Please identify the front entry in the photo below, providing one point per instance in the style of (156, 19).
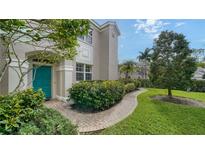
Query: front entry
(42, 79)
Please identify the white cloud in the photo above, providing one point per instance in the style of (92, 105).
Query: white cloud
(179, 24)
(155, 35)
(150, 26)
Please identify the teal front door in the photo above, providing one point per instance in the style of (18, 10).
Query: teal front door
(42, 79)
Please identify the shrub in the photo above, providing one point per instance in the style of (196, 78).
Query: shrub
(23, 113)
(129, 87)
(201, 65)
(198, 85)
(18, 108)
(146, 83)
(31, 99)
(46, 122)
(134, 81)
(96, 95)
(29, 129)
(11, 114)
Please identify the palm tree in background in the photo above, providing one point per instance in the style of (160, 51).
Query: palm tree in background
(145, 57)
(128, 67)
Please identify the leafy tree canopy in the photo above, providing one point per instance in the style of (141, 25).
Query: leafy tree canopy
(171, 62)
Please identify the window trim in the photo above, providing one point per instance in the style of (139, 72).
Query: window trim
(84, 72)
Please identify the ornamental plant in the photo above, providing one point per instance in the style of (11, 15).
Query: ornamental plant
(129, 87)
(95, 95)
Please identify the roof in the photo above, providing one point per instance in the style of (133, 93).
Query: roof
(100, 27)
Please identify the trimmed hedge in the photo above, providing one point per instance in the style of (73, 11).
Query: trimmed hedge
(198, 85)
(129, 87)
(23, 113)
(136, 82)
(96, 95)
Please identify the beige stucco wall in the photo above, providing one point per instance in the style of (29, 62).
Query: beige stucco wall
(102, 55)
(96, 52)
(113, 54)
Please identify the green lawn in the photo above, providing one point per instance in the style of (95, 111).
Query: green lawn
(155, 117)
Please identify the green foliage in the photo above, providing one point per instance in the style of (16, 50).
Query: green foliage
(146, 83)
(97, 95)
(201, 65)
(198, 85)
(55, 40)
(19, 108)
(145, 56)
(129, 87)
(125, 81)
(171, 64)
(156, 117)
(62, 33)
(127, 68)
(29, 129)
(23, 113)
(47, 122)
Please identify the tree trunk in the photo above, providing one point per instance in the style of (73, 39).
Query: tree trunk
(169, 92)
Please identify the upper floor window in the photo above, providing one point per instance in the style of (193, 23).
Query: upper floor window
(87, 38)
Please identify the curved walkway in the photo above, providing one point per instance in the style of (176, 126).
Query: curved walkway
(88, 122)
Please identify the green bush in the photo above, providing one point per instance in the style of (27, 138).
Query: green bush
(201, 65)
(18, 108)
(31, 99)
(125, 81)
(198, 85)
(129, 87)
(96, 95)
(46, 122)
(146, 83)
(29, 129)
(23, 113)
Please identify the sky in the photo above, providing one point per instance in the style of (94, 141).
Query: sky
(138, 34)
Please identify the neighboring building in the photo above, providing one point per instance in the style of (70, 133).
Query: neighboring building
(198, 75)
(97, 59)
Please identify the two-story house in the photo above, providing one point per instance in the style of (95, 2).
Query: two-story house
(97, 59)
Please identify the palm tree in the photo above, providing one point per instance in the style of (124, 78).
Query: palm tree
(145, 57)
(127, 68)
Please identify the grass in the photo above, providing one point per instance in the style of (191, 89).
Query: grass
(155, 117)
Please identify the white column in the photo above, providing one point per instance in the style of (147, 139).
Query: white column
(64, 79)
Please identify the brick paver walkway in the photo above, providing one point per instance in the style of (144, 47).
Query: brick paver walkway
(96, 121)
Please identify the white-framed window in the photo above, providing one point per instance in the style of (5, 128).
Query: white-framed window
(88, 38)
(83, 72)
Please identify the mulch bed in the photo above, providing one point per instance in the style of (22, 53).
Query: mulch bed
(180, 100)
